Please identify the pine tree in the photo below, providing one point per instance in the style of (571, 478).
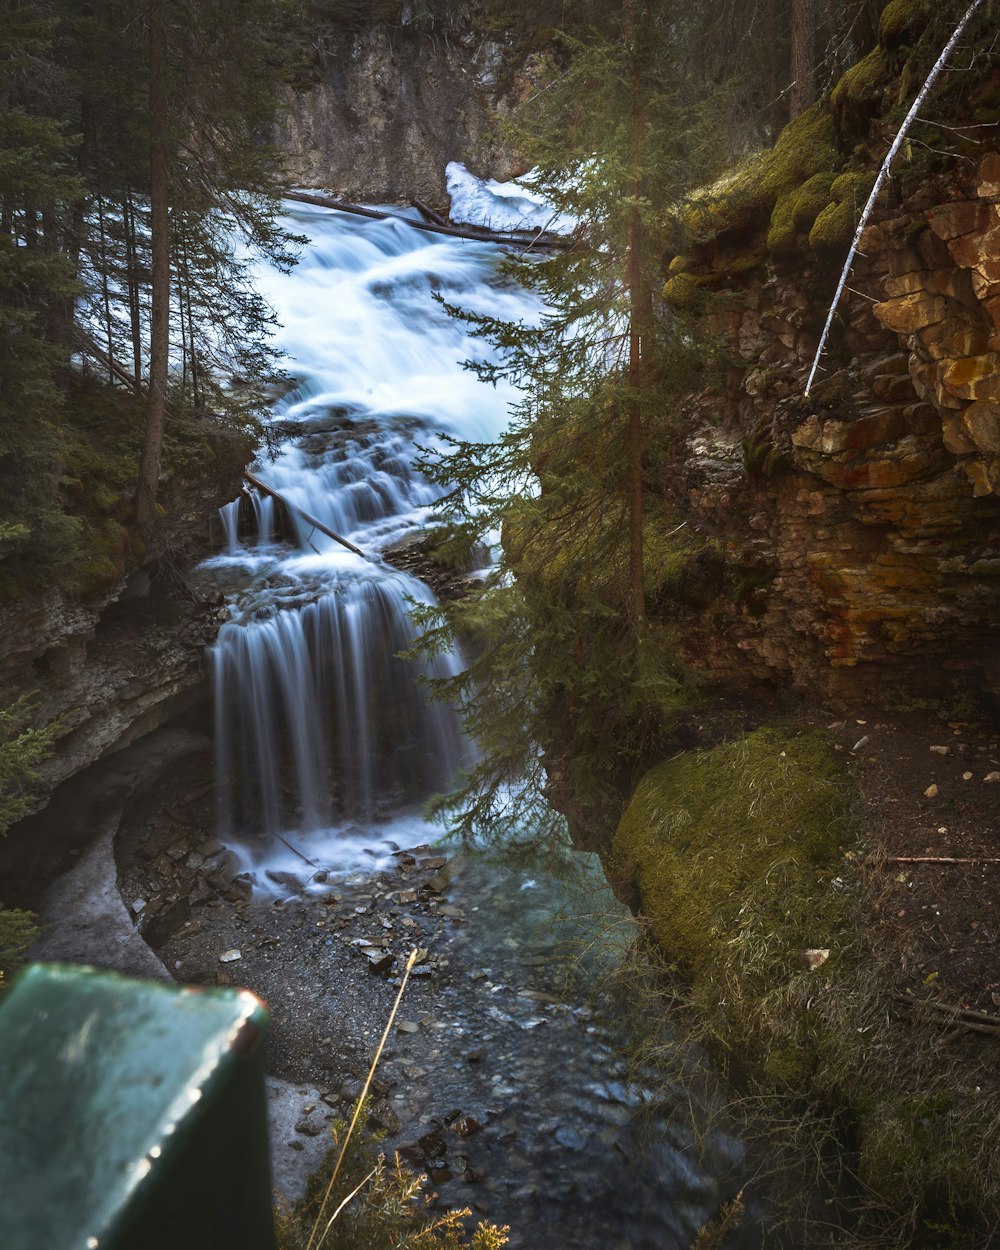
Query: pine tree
(37, 188)
(565, 660)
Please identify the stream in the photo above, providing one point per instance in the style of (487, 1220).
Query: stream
(507, 1080)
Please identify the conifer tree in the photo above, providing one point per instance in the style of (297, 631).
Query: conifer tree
(37, 183)
(566, 660)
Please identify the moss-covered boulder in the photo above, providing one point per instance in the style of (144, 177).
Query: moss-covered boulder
(733, 854)
(748, 834)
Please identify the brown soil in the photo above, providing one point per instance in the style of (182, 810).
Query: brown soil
(940, 919)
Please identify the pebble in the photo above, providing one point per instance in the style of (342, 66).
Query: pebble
(941, 750)
(138, 905)
(228, 957)
(932, 790)
(966, 776)
(992, 777)
(406, 1026)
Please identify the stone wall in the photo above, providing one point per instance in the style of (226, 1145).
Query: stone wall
(390, 107)
(861, 526)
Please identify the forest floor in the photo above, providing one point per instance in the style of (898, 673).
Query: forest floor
(931, 792)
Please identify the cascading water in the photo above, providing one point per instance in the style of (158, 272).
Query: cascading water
(326, 739)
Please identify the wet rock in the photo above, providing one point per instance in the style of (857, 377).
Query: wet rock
(383, 1118)
(240, 889)
(161, 927)
(570, 1138)
(433, 1145)
(138, 905)
(290, 880)
(466, 1126)
(439, 1173)
(434, 862)
(406, 1026)
(309, 1128)
(477, 1055)
(379, 961)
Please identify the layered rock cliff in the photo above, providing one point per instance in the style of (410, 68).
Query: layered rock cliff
(862, 525)
(384, 109)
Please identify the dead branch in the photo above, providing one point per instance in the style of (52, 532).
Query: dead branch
(478, 234)
(306, 516)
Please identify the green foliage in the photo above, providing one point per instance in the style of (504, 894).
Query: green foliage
(75, 255)
(22, 749)
(17, 931)
(376, 1204)
(570, 685)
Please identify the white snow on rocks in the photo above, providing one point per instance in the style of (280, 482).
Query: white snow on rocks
(500, 205)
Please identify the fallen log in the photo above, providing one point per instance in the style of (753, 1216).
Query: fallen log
(87, 344)
(527, 238)
(959, 1017)
(428, 213)
(306, 516)
(938, 859)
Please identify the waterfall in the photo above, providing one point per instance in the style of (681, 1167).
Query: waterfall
(327, 740)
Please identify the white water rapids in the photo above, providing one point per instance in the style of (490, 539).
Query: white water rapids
(326, 740)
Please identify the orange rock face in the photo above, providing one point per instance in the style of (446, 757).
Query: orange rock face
(865, 521)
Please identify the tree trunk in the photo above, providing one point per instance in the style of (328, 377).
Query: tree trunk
(636, 303)
(159, 221)
(803, 90)
(132, 278)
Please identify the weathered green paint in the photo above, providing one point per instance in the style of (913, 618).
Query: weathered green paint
(132, 1114)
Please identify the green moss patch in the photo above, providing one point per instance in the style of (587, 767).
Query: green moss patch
(739, 858)
(741, 839)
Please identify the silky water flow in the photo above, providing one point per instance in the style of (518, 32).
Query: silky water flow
(328, 744)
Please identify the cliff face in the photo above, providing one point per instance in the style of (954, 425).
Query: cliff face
(123, 660)
(861, 526)
(388, 108)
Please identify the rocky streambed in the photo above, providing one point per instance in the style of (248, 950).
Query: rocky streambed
(506, 1080)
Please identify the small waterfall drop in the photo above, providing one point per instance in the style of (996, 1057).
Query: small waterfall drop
(327, 741)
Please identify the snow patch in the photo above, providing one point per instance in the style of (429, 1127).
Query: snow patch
(500, 205)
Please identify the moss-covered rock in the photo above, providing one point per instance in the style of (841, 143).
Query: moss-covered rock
(746, 834)
(811, 198)
(901, 21)
(860, 89)
(746, 197)
(781, 234)
(680, 291)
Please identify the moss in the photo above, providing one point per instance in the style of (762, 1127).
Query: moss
(680, 291)
(781, 235)
(901, 21)
(833, 229)
(811, 198)
(861, 86)
(853, 187)
(745, 197)
(679, 264)
(746, 834)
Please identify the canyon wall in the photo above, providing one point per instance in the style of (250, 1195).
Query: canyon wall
(386, 108)
(860, 526)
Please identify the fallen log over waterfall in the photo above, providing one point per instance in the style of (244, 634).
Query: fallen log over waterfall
(525, 239)
(306, 516)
